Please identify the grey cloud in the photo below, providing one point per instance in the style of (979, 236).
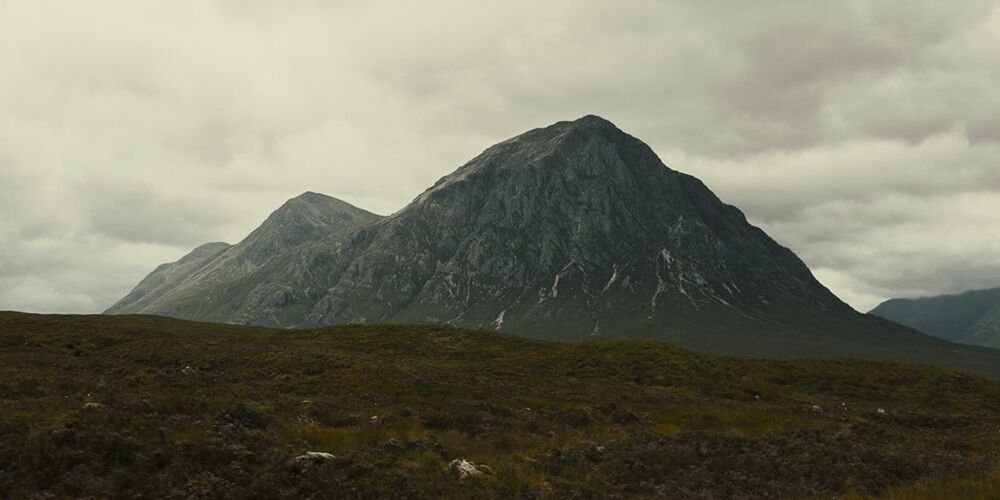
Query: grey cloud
(780, 186)
(72, 274)
(138, 214)
(722, 79)
(903, 245)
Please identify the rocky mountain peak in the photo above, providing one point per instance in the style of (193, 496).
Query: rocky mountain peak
(581, 158)
(315, 207)
(587, 128)
(575, 220)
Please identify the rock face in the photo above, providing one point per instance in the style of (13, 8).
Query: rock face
(565, 231)
(568, 231)
(968, 318)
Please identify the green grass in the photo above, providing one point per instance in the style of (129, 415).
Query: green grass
(395, 404)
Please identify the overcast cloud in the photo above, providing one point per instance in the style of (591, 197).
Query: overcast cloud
(863, 135)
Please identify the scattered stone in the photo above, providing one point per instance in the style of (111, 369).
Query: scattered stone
(374, 419)
(188, 370)
(816, 408)
(881, 412)
(91, 405)
(314, 457)
(463, 469)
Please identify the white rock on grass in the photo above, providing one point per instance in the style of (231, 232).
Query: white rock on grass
(463, 469)
(314, 457)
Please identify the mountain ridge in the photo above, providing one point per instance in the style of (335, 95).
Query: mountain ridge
(569, 231)
(971, 317)
(305, 218)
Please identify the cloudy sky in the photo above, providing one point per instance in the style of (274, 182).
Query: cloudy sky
(863, 135)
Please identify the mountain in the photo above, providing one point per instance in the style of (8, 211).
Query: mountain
(968, 318)
(188, 287)
(566, 232)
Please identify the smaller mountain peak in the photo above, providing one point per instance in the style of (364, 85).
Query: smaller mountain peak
(312, 196)
(311, 200)
(311, 204)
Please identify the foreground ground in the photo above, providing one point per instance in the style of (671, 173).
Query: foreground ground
(126, 407)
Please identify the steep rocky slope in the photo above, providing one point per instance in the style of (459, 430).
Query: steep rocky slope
(167, 277)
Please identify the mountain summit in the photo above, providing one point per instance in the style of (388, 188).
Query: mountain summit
(569, 231)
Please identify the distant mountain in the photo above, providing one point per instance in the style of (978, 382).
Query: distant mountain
(968, 318)
(189, 287)
(564, 232)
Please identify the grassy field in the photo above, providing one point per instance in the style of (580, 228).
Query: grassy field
(146, 407)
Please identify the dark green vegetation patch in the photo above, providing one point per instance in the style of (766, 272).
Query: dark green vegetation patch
(120, 407)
